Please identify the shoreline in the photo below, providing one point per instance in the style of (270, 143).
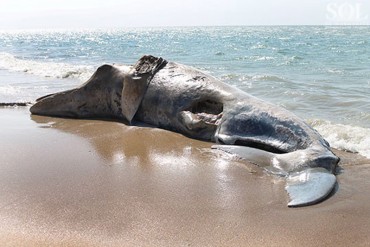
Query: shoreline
(68, 182)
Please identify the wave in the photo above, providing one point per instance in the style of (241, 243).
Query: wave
(269, 78)
(255, 58)
(45, 69)
(262, 58)
(254, 78)
(345, 137)
(15, 104)
(258, 46)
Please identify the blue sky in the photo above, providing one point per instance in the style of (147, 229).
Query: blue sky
(35, 14)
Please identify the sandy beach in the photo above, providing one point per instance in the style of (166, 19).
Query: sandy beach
(67, 182)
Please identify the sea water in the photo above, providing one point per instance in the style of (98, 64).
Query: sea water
(321, 73)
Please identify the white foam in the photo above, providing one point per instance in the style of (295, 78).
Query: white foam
(269, 78)
(10, 90)
(345, 137)
(262, 58)
(45, 69)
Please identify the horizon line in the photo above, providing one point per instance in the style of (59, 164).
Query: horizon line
(178, 26)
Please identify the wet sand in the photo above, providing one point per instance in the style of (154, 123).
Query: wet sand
(67, 182)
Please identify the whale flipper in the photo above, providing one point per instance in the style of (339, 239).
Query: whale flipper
(305, 187)
(136, 83)
(309, 186)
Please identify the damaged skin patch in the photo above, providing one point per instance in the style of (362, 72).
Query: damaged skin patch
(203, 116)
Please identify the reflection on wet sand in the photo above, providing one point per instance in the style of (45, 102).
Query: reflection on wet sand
(116, 142)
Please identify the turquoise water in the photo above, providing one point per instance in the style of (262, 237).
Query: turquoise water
(320, 73)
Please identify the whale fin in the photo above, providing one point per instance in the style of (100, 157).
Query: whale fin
(137, 82)
(309, 186)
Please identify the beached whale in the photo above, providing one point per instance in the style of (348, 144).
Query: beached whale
(183, 99)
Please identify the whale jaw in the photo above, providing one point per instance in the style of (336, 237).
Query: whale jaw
(58, 105)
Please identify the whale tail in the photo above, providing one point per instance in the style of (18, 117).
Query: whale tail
(307, 181)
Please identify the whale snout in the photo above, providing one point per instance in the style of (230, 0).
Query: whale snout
(80, 103)
(61, 104)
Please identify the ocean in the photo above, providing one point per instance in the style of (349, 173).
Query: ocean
(321, 73)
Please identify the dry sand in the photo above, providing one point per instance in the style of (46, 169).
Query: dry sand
(67, 182)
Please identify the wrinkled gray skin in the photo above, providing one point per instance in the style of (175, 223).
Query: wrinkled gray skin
(183, 99)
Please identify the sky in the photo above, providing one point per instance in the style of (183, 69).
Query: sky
(75, 14)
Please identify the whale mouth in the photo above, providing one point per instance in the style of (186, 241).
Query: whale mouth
(260, 145)
(275, 147)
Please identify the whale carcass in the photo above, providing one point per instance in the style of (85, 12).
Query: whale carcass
(181, 98)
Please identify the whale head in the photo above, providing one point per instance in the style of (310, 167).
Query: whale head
(112, 92)
(99, 97)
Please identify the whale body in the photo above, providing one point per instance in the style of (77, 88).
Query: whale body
(181, 98)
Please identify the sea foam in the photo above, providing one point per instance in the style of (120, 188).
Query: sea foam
(45, 69)
(344, 137)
